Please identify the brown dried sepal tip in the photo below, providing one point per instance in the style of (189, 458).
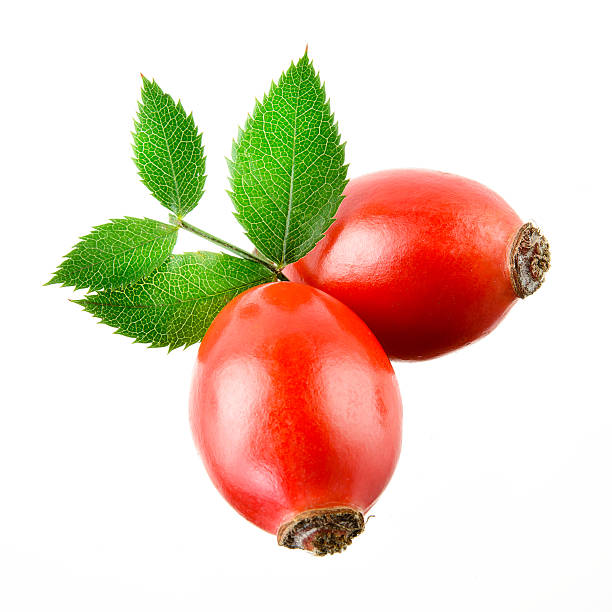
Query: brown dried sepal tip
(323, 531)
(529, 260)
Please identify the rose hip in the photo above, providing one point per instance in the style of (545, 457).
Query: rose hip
(296, 412)
(430, 261)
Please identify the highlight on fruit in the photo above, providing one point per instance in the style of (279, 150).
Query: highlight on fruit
(294, 406)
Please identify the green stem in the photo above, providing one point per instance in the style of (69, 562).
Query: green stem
(230, 247)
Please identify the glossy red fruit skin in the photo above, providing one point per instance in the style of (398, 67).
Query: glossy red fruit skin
(421, 256)
(294, 405)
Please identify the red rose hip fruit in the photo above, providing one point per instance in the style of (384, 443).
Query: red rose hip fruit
(296, 412)
(429, 260)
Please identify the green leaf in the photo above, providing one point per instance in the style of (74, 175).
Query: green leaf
(287, 170)
(177, 303)
(169, 151)
(116, 254)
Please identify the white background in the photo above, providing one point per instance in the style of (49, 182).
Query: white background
(502, 499)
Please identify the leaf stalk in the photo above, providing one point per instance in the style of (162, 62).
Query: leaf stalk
(229, 247)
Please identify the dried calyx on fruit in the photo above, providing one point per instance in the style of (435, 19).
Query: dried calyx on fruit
(323, 532)
(430, 261)
(529, 260)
